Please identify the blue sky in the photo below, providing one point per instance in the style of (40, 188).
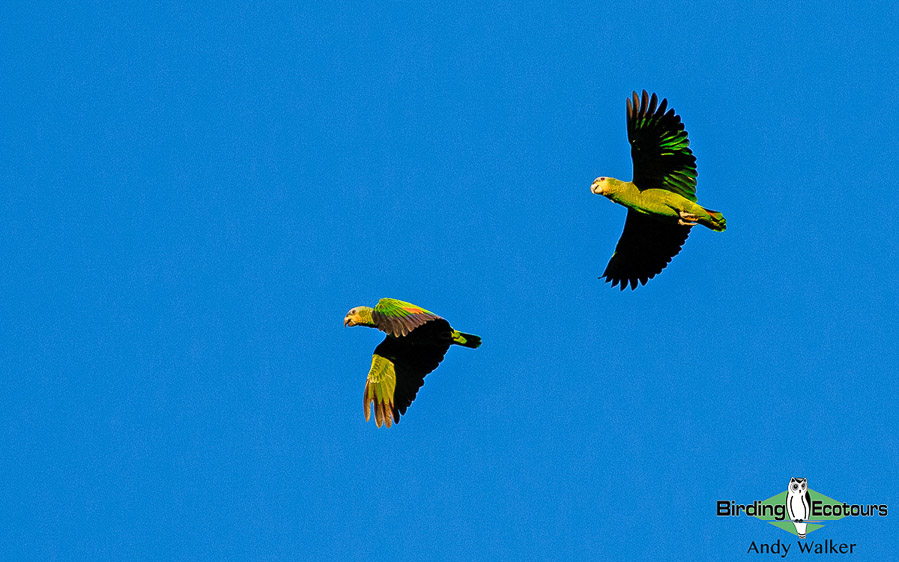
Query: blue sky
(194, 195)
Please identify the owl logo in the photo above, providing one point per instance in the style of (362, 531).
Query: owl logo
(799, 504)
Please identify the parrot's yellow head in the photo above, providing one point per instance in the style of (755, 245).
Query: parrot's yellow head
(360, 315)
(601, 186)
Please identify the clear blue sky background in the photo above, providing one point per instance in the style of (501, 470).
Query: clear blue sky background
(192, 196)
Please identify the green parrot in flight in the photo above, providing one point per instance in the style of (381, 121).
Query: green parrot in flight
(661, 199)
(415, 344)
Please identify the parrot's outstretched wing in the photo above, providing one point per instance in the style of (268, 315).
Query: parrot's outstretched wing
(380, 388)
(399, 318)
(398, 370)
(660, 148)
(646, 246)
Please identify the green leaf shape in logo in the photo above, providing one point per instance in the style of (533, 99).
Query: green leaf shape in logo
(787, 525)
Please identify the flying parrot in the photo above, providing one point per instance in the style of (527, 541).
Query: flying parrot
(415, 344)
(661, 199)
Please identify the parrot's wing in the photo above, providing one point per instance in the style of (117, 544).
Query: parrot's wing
(660, 148)
(646, 246)
(398, 370)
(398, 318)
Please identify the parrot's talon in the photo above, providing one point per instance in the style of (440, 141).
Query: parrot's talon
(687, 219)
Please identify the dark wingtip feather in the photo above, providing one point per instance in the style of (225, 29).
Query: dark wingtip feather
(622, 283)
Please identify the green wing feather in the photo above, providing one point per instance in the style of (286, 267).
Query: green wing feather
(660, 148)
(398, 318)
(379, 389)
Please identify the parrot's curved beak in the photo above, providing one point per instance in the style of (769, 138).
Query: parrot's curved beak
(346, 321)
(597, 187)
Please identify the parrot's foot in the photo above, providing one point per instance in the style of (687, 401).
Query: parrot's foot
(687, 219)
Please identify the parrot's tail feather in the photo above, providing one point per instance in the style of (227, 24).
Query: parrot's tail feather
(466, 340)
(716, 221)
